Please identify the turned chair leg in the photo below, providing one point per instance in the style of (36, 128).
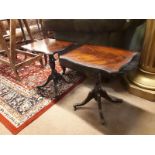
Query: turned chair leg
(16, 73)
(41, 62)
(45, 59)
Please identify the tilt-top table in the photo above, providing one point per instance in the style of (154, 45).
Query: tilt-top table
(99, 60)
(50, 48)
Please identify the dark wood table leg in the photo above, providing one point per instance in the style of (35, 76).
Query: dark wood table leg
(63, 69)
(88, 98)
(55, 76)
(104, 94)
(97, 93)
(98, 99)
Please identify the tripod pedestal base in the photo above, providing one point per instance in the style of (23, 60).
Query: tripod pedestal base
(97, 93)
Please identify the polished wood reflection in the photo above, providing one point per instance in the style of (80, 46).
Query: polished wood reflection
(46, 46)
(101, 57)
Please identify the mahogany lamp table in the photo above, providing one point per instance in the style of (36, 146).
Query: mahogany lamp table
(99, 60)
(51, 47)
(48, 47)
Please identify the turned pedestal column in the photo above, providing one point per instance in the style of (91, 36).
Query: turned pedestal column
(142, 82)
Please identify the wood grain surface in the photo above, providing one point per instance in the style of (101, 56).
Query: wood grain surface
(99, 57)
(46, 46)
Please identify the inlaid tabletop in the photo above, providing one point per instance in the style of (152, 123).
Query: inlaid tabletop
(99, 57)
(46, 46)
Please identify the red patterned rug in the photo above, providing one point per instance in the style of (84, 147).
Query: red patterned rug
(21, 102)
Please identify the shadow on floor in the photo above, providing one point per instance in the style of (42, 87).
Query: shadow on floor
(120, 118)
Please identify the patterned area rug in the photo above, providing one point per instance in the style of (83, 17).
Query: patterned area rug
(21, 102)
